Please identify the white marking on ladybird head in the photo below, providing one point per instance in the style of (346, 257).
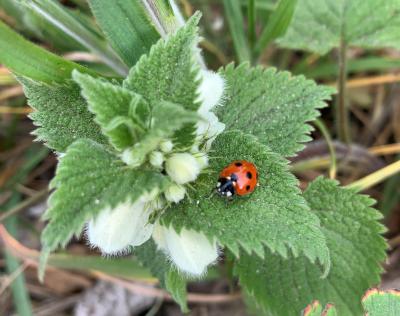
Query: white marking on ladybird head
(228, 178)
(228, 194)
(218, 184)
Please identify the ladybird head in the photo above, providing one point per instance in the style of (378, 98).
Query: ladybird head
(226, 186)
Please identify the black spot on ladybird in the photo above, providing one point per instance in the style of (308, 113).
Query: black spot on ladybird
(238, 164)
(247, 187)
(249, 175)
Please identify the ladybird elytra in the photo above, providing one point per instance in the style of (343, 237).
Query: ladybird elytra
(238, 178)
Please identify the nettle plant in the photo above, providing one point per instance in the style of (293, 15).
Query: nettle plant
(140, 154)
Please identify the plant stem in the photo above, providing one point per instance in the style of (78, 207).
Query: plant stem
(332, 169)
(376, 177)
(342, 113)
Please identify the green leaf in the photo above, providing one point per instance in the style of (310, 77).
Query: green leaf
(274, 215)
(234, 16)
(89, 179)
(169, 277)
(126, 26)
(315, 309)
(176, 285)
(26, 59)
(61, 114)
(110, 103)
(277, 23)
(56, 14)
(357, 250)
(170, 71)
(166, 118)
(271, 105)
(381, 303)
(319, 26)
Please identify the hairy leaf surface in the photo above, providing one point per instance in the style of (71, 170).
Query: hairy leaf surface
(61, 115)
(89, 179)
(274, 215)
(273, 106)
(357, 250)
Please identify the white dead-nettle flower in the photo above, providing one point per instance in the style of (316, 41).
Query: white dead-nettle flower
(128, 156)
(175, 193)
(182, 168)
(114, 230)
(211, 94)
(190, 251)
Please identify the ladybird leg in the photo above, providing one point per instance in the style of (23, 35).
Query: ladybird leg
(212, 193)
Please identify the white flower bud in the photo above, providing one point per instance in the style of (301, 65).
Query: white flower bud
(156, 159)
(182, 168)
(175, 193)
(166, 146)
(190, 251)
(210, 91)
(114, 230)
(128, 156)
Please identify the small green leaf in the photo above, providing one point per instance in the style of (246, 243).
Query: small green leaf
(110, 103)
(274, 215)
(319, 26)
(271, 105)
(169, 277)
(315, 309)
(170, 71)
(126, 26)
(26, 59)
(277, 24)
(357, 249)
(175, 284)
(381, 303)
(89, 179)
(61, 114)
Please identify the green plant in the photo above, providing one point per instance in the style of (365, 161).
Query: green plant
(140, 151)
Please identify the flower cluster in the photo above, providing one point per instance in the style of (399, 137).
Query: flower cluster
(114, 231)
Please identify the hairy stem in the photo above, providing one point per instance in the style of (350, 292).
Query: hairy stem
(342, 113)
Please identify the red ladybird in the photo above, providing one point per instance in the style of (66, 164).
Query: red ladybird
(239, 177)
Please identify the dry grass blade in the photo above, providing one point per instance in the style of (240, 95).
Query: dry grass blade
(11, 92)
(10, 278)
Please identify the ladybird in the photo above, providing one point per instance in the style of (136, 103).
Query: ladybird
(239, 177)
